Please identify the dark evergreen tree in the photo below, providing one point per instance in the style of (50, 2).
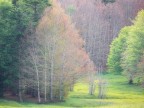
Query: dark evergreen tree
(15, 18)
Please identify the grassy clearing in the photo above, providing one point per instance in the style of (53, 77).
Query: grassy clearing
(119, 95)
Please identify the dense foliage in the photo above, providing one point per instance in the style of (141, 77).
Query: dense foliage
(53, 58)
(108, 1)
(42, 55)
(127, 50)
(41, 52)
(117, 47)
(99, 24)
(15, 18)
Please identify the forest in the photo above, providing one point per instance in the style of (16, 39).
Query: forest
(72, 53)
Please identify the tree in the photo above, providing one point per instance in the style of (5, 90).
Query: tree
(15, 19)
(37, 7)
(134, 50)
(14, 2)
(52, 58)
(140, 71)
(116, 49)
(127, 50)
(7, 45)
(99, 24)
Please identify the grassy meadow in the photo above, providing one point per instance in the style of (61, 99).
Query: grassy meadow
(119, 95)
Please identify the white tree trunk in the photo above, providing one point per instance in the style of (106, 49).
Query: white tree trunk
(52, 71)
(61, 77)
(34, 57)
(45, 74)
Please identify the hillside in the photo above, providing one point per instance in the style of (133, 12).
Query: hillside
(99, 24)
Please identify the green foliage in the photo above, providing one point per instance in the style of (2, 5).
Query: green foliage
(135, 47)
(7, 42)
(36, 7)
(71, 9)
(108, 1)
(116, 49)
(15, 19)
(127, 50)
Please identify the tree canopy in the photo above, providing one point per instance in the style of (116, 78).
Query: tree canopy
(15, 18)
(127, 50)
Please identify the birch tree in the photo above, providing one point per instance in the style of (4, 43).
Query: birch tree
(52, 58)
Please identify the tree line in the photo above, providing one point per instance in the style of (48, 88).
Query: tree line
(127, 51)
(41, 53)
(15, 18)
(99, 24)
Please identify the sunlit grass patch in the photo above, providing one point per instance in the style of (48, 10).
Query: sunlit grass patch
(119, 95)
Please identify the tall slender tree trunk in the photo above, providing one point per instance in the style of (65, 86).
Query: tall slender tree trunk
(51, 73)
(20, 95)
(1, 85)
(72, 83)
(20, 90)
(38, 82)
(37, 74)
(61, 78)
(45, 73)
(51, 79)
(91, 84)
(61, 89)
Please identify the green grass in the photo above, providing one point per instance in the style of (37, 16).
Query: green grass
(119, 95)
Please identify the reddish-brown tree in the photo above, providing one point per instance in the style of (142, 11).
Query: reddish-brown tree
(99, 24)
(52, 59)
